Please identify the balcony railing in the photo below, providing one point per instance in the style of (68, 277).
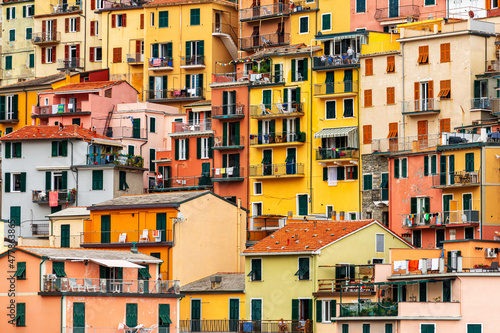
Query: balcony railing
(395, 12)
(292, 109)
(180, 183)
(124, 132)
(343, 87)
(63, 196)
(277, 137)
(228, 173)
(116, 159)
(407, 143)
(228, 111)
(135, 58)
(336, 154)
(421, 105)
(375, 309)
(192, 93)
(226, 29)
(250, 77)
(255, 13)
(287, 169)
(70, 63)
(457, 179)
(240, 326)
(192, 127)
(462, 217)
(69, 7)
(492, 104)
(335, 61)
(160, 63)
(40, 229)
(492, 66)
(268, 40)
(193, 61)
(120, 286)
(57, 109)
(441, 218)
(333, 285)
(229, 141)
(47, 37)
(126, 236)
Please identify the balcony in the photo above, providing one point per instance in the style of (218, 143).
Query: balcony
(407, 143)
(53, 284)
(325, 90)
(191, 128)
(135, 58)
(229, 111)
(419, 107)
(70, 64)
(56, 110)
(276, 110)
(264, 12)
(41, 38)
(63, 196)
(183, 184)
(124, 132)
(324, 154)
(240, 326)
(253, 79)
(278, 139)
(229, 142)
(40, 229)
(287, 170)
(175, 94)
(67, 7)
(447, 218)
(336, 61)
(260, 41)
(125, 237)
(115, 159)
(193, 62)
(229, 174)
(375, 309)
(303, 6)
(456, 179)
(160, 64)
(398, 12)
(485, 104)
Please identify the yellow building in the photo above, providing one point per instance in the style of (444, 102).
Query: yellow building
(66, 226)
(217, 298)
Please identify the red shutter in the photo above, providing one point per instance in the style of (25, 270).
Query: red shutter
(142, 21)
(66, 52)
(43, 55)
(124, 20)
(92, 54)
(53, 54)
(78, 24)
(44, 29)
(77, 51)
(54, 29)
(113, 21)
(92, 4)
(66, 24)
(430, 89)
(138, 46)
(92, 28)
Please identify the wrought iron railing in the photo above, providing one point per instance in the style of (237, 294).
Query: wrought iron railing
(336, 153)
(267, 40)
(258, 12)
(277, 137)
(228, 110)
(276, 110)
(341, 87)
(286, 169)
(325, 62)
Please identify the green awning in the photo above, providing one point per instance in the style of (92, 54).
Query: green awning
(165, 318)
(302, 271)
(60, 272)
(266, 160)
(20, 271)
(144, 273)
(251, 272)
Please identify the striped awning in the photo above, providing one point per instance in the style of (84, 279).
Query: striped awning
(351, 133)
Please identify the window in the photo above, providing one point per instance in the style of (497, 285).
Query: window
(152, 125)
(20, 314)
(474, 328)
(326, 22)
(331, 109)
(445, 89)
(164, 317)
(388, 328)
(163, 19)
(391, 64)
(360, 6)
(131, 314)
(8, 62)
(13, 150)
(59, 148)
(327, 308)
(303, 269)
(367, 134)
(99, 4)
(304, 25)
(423, 54)
(299, 70)
(12, 35)
(348, 108)
(368, 67)
(21, 271)
(97, 180)
(195, 16)
(121, 20)
(72, 24)
(380, 243)
(400, 168)
(391, 98)
(117, 54)
(48, 55)
(445, 52)
(152, 19)
(11, 112)
(444, 125)
(430, 165)
(430, 2)
(32, 60)
(302, 204)
(366, 328)
(367, 182)
(368, 98)
(351, 172)
(205, 148)
(255, 270)
(10, 13)
(257, 209)
(427, 328)
(29, 33)
(257, 188)
(123, 181)
(152, 157)
(76, 121)
(469, 162)
(182, 149)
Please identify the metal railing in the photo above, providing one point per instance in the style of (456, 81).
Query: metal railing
(394, 12)
(195, 93)
(492, 66)
(70, 63)
(228, 111)
(157, 63)
(267, 40)
(457, 178)
(69, 7)
(249, 77)
(204, 125)
(390, 145)
(126, 236)
(47, 37)
(421, 105)
(225, 28)
(116, 159)
(152, 329)
(421, 219)
(276, 110)
(135, 58)
(123, 132)
(120, 286)
(40, 229)
(334, 285)
(183, 182)
(193, 60)
(325, 62)
(228, 173)
(277, 137)
(301, 6)
(375, 309)
(229, 141)
(286, 169)
(258, 12)
(234, 325)
(63, 196)
(341, 87)
(57, 109)
(336, 153)
(485, 103)
(462, 217)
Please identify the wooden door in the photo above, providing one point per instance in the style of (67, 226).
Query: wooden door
(422, 133)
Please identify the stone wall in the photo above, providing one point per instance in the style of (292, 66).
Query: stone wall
(374, 165)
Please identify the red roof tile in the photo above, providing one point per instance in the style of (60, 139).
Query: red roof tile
(53, 132)
(306, 236)
(98, 85)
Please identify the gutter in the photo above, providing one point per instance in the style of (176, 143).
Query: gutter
(259, 254)
(360, 207)
(40, 278)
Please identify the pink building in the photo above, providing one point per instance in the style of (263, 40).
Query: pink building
(74, 290)
(80, 103)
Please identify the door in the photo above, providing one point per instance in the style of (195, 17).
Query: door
(78, 317)
(393, 8)
(417, 238)
(195, 315)
(48, 31)
(217, 22)
(291, 161)
(266, 99)
(136, 128)
(205, 174)
(385, 187)
(446, 208)
(256, 314)
(161, 224)
(467, 206)
(440, 237)
(65, 235)
(73, 58)
(303, 203)
(105, 228)
(469, 233)
(422, 133)
(267, 162)
(234, 314)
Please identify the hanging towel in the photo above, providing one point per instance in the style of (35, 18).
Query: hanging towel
(420, 264)
(438, 219)
(229, 171)
(156, 233)
(217, 171)
(332, 176)
(429, 264)
(413, 265)
(435, 264)
(156, 62)
(53, 196)
(400, 265)
(223, 170)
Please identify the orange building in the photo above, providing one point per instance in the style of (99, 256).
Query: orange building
(72, 290)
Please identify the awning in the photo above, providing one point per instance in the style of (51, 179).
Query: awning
(351, 133)
(384, 183)
(144, 273)
(115, 263)
(60, 272)
(165, 318)
(20, 270)
(107, 142)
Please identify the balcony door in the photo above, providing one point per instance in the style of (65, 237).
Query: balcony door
(422, 133)
(447, 198)
(49, 26)
(290, 130)
(234, 314)
(393, 8)
(195, 315)
(73, 56)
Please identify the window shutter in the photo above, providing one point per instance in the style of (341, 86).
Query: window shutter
(293, 70)
(325, 173)
(23, 182)
(176, 142)
(8, 149)
(305, 71)
(142, 21)
(91, 51)
(434, 164)
(77, 23)
(92, 28)
(187, 149)
(48, 180)
(131, 314)
(452, 168)
(416, 94)
(427, 205)
(124, 20)
(24, 11)
(295, 309)
(92, 4)
(333, 308)
(113, 21)
(426, 165)
(430, 89)
(54, 29)
(21, 313)
(66, 25)
(413, 207)
(188, 49)
(64, 180)
(198, 148)
(211, 144)
(54, 55)
(404, 167)
(340, 173)
(43, 55)
(368, 67)
(15, 107)
(7, 182)
(54, 148)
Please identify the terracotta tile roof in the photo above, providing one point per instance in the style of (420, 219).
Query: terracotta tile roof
(53, 132)
(154, 3)
(82, 86)
(306, 236)
(35, 82)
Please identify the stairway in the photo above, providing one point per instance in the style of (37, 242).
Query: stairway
(228, 42)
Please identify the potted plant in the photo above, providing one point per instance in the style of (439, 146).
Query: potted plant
(255, 69)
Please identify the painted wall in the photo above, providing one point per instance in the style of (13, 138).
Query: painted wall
(75, 230)
(214, 306)
(25, 101)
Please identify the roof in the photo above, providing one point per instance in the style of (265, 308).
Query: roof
(199, 103)
(234, 282)
(155, 3)
(72, 211)
(307, 236)
(334, 132)
(85, 86)
(35, 82)
(56, 253)
(55, 132)
(284, 50)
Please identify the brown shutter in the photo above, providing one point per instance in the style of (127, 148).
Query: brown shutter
(368, 97)
(367, 134)
(113, 21)
(124, 20)
(92, 54)
(66, 24)
(368, 67)
(54, 29)
(444, 125)
(78, 24)
(431, 89)
(53, 54)
(44, 29)
(77, 51)
(416, 95)
(92, 28)
(92, 4)
(66, 52)
(138, 46)
(43, 55)
(142, 21)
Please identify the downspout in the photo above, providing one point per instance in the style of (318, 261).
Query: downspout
(75, 170)
(403, 83)
(25, 106)
(107, 39)
(238, 232)
(311, 140)
(85, 40)
(40, 278)
(147, 135)
(62, 312)
(360, 209)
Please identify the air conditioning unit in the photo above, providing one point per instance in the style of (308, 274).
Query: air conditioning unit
(490, 253)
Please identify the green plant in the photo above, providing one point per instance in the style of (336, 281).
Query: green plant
(264, 68)
(255, 69)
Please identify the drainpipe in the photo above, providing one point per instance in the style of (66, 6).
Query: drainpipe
(85, 40)
(75, 170)
(238, 231)
(360, 209)
(107, 39)
(403, 83)
(248, 151)
(311, 140)
(41, 263)
(26, 106)
(62, 312)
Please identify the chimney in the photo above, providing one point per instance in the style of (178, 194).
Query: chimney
(215, 281)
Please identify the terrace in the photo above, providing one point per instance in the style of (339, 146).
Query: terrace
(335, 61)
(61, 109)
(70, 63)
(229, 142)
(66, 7)
(228, 174)
(485, 104)
(323, 154)
(191, 128)
(251, 78)
(439, 219)
(267, 11)
(115, 159)
(160, 95)
(63, 196)
(462, 178)
(135, 58)
(275, 110)
(39, 38)
(278, 138)
(286, 170)
(125, 237)
(183, 184)
(397, 12)
(159, 64)
(240, 326)
(228, 111)
(267, 40)
(193, 61)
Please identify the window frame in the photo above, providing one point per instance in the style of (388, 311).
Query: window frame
(343, 110)
(301, 277)
(326, 109)
(376, 242)
(261, 270)
(255, 188)
(182, 150)
(72, 24)
(119, 20)
(330, 21)
(300, 25)
(371, 181)
(191, 12)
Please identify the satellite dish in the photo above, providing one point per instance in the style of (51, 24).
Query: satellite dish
(180, 217)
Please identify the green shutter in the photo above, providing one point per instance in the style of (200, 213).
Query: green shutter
(64, 180)
(345, 328)
(15, 109)
(284, 128)
(188, 81)
(442, 169)
(259, 127)
(8, 62)
(17, 149)
(256, 309)
(305, 71)
(333, 308)
(48, 180)
(198, 148)
(367, 182)
(434, 164)
(366, 327)
(79, 317)
(65, 235)
(293, 70)
(427, 205)
(201, 48)
(237, 134)
(161, 224)
(12, 35)
(15, 215)
(131, 314)
(97, 179)
(426, 165)
(355, 172)
(388, 328)
(224, 134)
(21, 314)
(29, 34)
(451, 160)
(163, 19)
(303, 205)
(340, 173)
(23, 182)
(169, 50)
(164, 314)
(152, 125)
(422, 292)
(404, 170)
(32, 60)
(64, 148)
(105, 228)
(325, 173)
(8, 149)
(176, 143)
(54, 148)
(318, 311)
(295, 309)
(326, 22)
(155, 54)
(413, 207)
(7, 182)
(2, 108)
(469, 162)
(152, 157)
(272, 128)
(187, 149)
(136, 128)
(224, 102)
(188, 49)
